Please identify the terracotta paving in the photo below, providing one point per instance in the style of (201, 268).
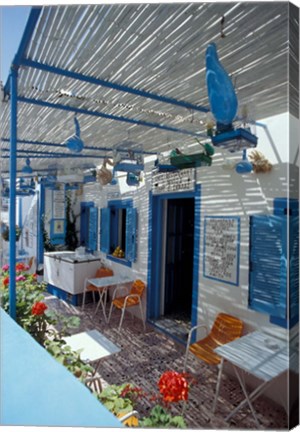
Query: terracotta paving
(144, 356)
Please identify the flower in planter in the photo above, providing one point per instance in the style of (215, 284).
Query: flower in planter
(38, 308)
(173, 386)
(5, 281)
(5, 268)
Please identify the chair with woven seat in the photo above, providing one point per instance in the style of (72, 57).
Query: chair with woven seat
(129, 300)
(225, 329)
(101, 272)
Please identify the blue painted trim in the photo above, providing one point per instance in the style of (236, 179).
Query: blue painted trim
(155, 250)
(196, 261)
(122, 261)
(238, 249)
(84, 205)
(50, 144)
(57, 154)
(12, 192)
(149, 264)
(28, 32)
(121, 203)
(112, 85)
(20, 211)
(41, 214)
(284, 322)
(108, 116)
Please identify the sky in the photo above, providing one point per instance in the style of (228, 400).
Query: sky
(12, 24)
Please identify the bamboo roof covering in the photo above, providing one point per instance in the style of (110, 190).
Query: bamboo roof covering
(151, 48)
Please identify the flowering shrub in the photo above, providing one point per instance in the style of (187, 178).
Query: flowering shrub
(30, 309)
(173, 387)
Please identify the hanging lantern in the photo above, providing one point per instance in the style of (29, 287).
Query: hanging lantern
(27, 168)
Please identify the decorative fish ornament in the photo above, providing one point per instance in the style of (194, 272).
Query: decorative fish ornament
(221, 94)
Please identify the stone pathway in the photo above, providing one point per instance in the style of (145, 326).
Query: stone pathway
(144, 356)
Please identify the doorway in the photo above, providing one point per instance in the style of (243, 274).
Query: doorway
(178, 264)
(174, 262)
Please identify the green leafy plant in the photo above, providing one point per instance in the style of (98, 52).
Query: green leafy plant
(71, 238)
(5, 232)
(120, 399)
(64, 354)
(160, 418)
(48, 246)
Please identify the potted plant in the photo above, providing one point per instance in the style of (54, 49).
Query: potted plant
(5, 232)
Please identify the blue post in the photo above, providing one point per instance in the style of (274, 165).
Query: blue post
(12, 192)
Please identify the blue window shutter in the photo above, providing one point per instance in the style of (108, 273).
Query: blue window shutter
(84, 217)
(131, 234)
(268, 264)
(93, 228)
(294, 267)
(104, 230)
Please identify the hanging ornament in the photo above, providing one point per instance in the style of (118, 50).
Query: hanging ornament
(75, 143)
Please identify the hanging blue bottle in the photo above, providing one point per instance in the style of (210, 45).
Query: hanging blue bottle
(221, 94)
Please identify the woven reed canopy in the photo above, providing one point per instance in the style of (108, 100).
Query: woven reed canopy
(137, 72)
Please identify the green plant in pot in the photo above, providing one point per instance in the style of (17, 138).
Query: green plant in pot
(5, 232)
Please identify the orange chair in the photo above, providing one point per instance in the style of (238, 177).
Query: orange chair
(131, 299)
(101, 272)
(225, 329)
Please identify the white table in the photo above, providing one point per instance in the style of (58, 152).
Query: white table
(102, 284)
(260, 355)
(94, 346)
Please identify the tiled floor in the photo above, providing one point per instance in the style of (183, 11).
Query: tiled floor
(144, 356)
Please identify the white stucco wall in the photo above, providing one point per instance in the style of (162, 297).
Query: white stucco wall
(224, 193)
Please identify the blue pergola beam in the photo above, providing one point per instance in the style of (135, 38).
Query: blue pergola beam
(49, 144)
(28, 32)
(115, 86)
(46, 153)
(107, 116)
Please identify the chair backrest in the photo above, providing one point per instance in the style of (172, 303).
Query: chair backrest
(104, 272)
(138, 287)
(226, 328)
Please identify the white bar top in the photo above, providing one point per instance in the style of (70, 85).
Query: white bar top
(94, 345)
(261, 355)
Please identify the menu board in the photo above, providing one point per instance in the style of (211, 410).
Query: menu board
(222, 248)
(58, 209)
(173, 181)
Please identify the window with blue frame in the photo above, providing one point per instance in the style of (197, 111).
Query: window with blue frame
(274, 267)
(118, 231)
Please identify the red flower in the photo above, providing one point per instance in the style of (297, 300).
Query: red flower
(5, 281)
(173, 386)
(20, 266)
(38, 308)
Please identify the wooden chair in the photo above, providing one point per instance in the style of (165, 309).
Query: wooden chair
(131, 299)
(101, 272)
(225, 329)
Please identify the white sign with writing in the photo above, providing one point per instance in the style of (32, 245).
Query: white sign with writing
(59, 203)
(173, 181)
(222, 248)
